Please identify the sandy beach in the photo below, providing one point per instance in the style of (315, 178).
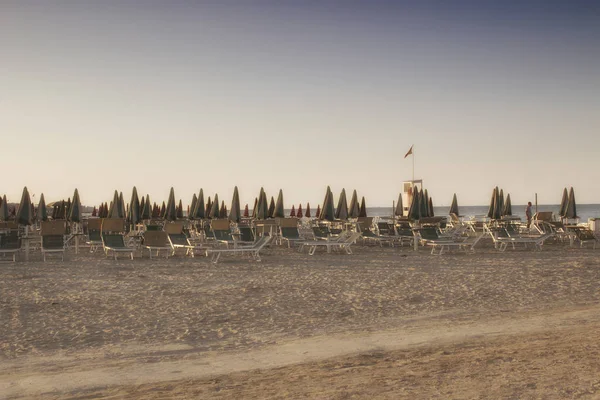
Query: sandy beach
(382, 323)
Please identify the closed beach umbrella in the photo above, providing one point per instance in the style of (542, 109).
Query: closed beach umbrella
(353, 209)
(214, 208)
(223, 210)
(199, 211)
(171, 208)
(399, 211)
(363, 208)
(255, 207)
(262, 208)
(307, 214)
(234, 214)
(67, 208)
(180, 210)
(163, 209)
(23, 215)
(94, 212)
(328, 212)
(571, 212)
(121, 206)
(113, 211)
(424, 204)
(493, 201)
(142, 203)
(272, 207)
(507, 206)
(42, 212)
(279, 211)
(208, 207)
(246, 211)
(341, 211)
(431, 213)
(454, 206)
(299, 212)
(75, 211)
(414, 211)
(146, 212)
(293, 212)
(134, 207)
(563, 203)
(318, 212)
(192, 206)
(501, 203)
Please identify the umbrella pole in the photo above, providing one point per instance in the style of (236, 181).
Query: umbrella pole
(26, 243)
(75, 228)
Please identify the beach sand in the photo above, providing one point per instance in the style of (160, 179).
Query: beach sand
(382, 323)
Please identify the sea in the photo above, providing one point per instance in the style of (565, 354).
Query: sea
(584, 211)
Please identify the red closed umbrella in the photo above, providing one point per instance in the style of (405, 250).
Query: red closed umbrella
(293, 212)
(318, 213)
(246, 211)
(299, 212)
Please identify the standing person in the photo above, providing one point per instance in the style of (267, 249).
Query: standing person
(528, 214)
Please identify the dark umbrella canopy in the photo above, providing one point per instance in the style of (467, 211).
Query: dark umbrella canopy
(490, 213)
(75, 211)
(353, 209)
(262, 209)
(299, 213)
(341, 211)
(214, 208)
(134, 208)
(192, 206)
(454, 206)
(328, 211)
(318, 212)
(563, 203)
(430, 209)
(507, 206)
(142, 202)
(414, 212)
(171, 208)
(199, 211)
(278, 212)
(363, 208)
(246, 211)
(571, 212)
(122, 213)
(234, 214)
(23, 215)
(255, 207)
(179, 211)
(501, 203)
(424, 201)
(113, 211)
(4, 209)
(208, 207)
(146, 212)
(399, 211)
(307, 213)
(293, 212)
(271, 208)
(42, 212)
(223, 210)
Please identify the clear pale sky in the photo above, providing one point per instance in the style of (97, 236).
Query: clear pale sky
(298, 95)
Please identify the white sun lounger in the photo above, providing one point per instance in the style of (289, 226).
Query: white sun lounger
(344, 242)
(253, 250)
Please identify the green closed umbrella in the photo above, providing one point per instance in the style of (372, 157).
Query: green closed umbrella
(271, 207)
(208, 207)
(75, 210)
(171, 208)
(255, 208)
(42, 213)
(507, 206)
(142, 202)
(341, 212)
(278, 212)
(399, 211)
(200, 210)
(425, 203)
(571, 212)
(454, 206)
(430, 209)
(563, 203)
(113, 210)
(363, 208)
(501, 203)
(414, 212)
(223, 210)
(134, 208)
(328, 211)
(67, 209)
(163, 210)
(122, 213)
(179, 210)
(23, 216)
(214, 208)
(262, 209)
(192, 206)
(493, 204)
(4, 209)
(234, 214)
(146, 211)
(354, 209)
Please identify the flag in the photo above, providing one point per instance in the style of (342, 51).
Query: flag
(409, 152)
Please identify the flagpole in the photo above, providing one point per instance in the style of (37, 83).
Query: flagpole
(413, 171)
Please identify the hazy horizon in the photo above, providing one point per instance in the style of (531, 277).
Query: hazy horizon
(300, 95)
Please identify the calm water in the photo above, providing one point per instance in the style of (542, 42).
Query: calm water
(585, 211)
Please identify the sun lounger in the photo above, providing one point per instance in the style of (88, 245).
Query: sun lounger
(246, 234)
(364, 226)
(113, 237)
(53, 237)
(179, 240)
(404, 233)
(502, 238)
(343, 242)
(252, 250)
(321, 232)
(221, 230)
(10, 241)
(288, 229)
(94, 228)
(428, 236)
(583, 235)
(157, 241)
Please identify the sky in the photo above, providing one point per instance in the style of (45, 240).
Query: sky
(298, 95)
